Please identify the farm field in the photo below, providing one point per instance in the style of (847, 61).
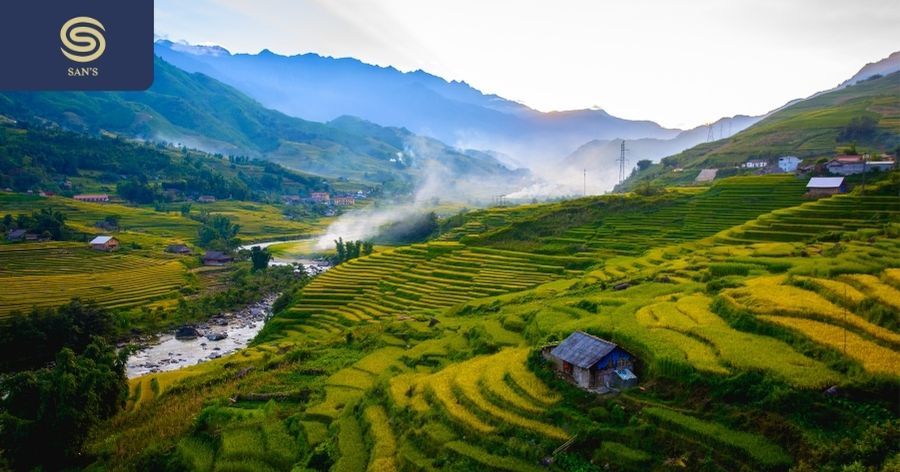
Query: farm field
(623, 226)
(425, 357)
(51, 274)
(140, 273)
(147, 226)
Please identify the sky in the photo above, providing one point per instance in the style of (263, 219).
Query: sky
(677, 62)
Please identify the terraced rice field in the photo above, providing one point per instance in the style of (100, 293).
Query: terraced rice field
(483, 396)
(823, 322)
(805, 222)
(421, 278)
(691, 218)
(53, 273)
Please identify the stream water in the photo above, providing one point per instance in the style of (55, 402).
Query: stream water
(221, 335)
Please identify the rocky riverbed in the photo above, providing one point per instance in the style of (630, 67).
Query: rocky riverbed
(219, 336)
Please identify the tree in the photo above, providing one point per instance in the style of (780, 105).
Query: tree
(860, 128)
(644, 164)
(31, 341)
(137, 191)
(368, 247)
(260, 258)
(341, 250)
(218, 232)
(48, 413)
(49, 220)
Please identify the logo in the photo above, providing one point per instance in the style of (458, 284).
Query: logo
(76, 45)
(82, 39)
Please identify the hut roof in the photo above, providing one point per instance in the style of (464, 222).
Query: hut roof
(582, 349)
(825, 182)
(101, 239)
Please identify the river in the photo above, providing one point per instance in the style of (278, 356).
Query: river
(166, 352)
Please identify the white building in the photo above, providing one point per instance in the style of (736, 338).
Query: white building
(788, 163)
(755, 164)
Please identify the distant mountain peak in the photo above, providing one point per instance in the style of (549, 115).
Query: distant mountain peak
(885, 66)
(195, 49)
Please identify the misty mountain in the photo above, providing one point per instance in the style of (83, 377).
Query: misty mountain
(320, 88)
(200, 112)
(885, 66)
(599, 157)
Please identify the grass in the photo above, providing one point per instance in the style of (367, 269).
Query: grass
(384, 445)
(484, 458)
(873, 357)
(352, 449)
(755, 446)
(768, 297)
(390, 388)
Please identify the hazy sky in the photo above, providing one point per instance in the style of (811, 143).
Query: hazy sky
(680, 63)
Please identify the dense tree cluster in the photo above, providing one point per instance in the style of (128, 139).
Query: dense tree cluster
(346, 251)
(34, 158)
(60, 378)
(31, 341)
(46, 222)
(217, 232)
(260, 258)
(861, 128)
(46, 414)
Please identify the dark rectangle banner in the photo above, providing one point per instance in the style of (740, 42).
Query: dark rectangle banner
(76, 45)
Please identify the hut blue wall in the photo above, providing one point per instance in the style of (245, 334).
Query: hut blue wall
(612, 359)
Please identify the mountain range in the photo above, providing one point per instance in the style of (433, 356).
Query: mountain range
(322, 88)
(198, 111)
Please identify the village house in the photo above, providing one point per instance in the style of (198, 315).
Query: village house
(881, 166)
(320, 197)
(593, 363)
(104, 243)
(344, 201)
(824, 186)
(845, 165)
(93, 198)
(290, 199)
(216, 258)
(16, 235)
(788, 163)
(755, 164)
(178, 249)
(206, 199)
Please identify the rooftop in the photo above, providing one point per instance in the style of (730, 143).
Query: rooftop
(825, 182)
(101, 239)
(582, 349)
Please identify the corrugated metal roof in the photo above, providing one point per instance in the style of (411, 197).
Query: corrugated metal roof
(825, 182)
(101, 240)
(582, 349)
(626, 374)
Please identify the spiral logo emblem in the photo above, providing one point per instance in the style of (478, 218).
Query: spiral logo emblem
(82, 39)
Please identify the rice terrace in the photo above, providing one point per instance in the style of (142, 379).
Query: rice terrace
(302, 262)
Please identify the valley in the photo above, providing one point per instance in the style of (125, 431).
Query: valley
(299, 262)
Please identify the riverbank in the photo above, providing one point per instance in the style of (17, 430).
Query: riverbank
(221, 335)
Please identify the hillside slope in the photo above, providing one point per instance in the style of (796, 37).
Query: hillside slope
(426, 357)
(51, 160)
(817, 127)
(200, 112)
